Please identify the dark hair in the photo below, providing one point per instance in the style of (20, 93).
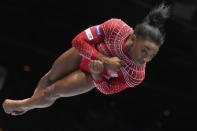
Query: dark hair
(152, 26)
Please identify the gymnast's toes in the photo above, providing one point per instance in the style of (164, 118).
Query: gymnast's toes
(9, 106)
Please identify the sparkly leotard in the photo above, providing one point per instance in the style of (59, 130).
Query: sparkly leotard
(109, 39)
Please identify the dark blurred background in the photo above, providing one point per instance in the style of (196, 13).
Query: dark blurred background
(34, 33)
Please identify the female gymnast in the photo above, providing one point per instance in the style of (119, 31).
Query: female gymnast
(110, 56)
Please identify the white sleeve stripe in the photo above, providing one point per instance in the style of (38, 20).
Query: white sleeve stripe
(89, 34)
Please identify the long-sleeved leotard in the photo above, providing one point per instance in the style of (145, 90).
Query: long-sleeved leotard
(109, 39)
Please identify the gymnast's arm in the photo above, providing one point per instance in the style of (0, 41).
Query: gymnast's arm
(111, 86)
(84, 43)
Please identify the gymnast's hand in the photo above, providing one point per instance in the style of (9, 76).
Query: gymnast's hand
(110, 63)
(113, 64)
(96, 66)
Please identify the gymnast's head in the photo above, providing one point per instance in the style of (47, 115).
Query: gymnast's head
(144, 43)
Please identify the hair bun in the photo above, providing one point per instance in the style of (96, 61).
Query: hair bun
(158, 15)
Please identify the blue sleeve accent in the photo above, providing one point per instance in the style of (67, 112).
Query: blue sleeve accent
(98, 30)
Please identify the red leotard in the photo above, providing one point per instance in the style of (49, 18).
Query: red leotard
(109, 39)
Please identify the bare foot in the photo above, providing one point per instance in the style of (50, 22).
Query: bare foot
(13, 107)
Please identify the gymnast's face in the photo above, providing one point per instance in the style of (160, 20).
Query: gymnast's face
(141, 51)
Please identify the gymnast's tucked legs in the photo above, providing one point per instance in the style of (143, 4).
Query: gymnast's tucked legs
(64, 79)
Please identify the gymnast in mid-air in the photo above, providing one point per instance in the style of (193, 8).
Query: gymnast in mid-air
(110, 56)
